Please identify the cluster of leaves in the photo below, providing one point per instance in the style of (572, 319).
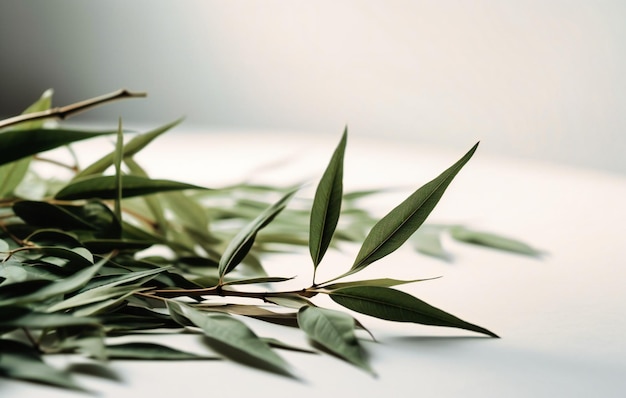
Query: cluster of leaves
(75, 269)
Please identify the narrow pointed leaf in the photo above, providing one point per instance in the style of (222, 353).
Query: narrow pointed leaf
(55, 288)
(117, 160)
(491, 240)
(131, 148)
(149, 351)
(22, 317)
(334, 330)
(428, 241)
(44, 214)
(394, 305)
(327, 204)
(103, 187)
(22, 362)
(228, 331)
(17, 144)
(384, 282)
(12, 174)
(399, 224)
(241, 244)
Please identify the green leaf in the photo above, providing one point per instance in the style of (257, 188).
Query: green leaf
(241, 244)
(131, 148)
(18, 144)
(149, 351)
(394, 305)
(327, 204)
(491, 240)
(103, 187)
(428, 241)
(263, 279)
(51, 289)
(22, 317)
(12, 174)
(227, 332)
(384, 282)
(43, 214)
(109, 290)
(399, 224)
(333, 330)
(117, 160)
(19, 361)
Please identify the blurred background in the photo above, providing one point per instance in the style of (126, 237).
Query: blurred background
(531, 79)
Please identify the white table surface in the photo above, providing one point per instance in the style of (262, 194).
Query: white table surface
(562, 318)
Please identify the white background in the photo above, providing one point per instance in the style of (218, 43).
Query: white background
(541, 79)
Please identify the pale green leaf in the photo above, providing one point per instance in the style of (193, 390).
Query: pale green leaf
(334, 330)
(149, 351)
(19, 361)
(226, 331)
(492, 240)
(385, 282)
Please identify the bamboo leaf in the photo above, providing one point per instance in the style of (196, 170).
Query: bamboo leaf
(55, 288)
(149, 351)
(384, 282)
(22, 362)
(18, 144)
(334, 330)
(399, 224)
(103, 187)
(12, 174)
(428, 241)
(491, 240)
(44, 214)
(117, 161)
(224, 330)
(22, 317)
(131, 148)
(394, 305)
(327, 204)
(241, 244)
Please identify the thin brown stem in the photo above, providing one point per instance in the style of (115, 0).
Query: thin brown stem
(69, 110)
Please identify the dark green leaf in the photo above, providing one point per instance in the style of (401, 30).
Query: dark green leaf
(103, 187)
(12, 174)
(399, 224)
(240, 245)
(327, 204)
(48, 215)
(491, 240)
(394, 305)
(18, 144)
(334, 330)
(59, 287)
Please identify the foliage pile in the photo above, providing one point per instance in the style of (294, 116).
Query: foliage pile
(75, 270)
